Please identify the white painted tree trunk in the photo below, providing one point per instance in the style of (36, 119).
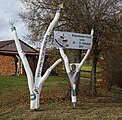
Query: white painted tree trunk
(34, 101)
(72, 76)
(35, 88)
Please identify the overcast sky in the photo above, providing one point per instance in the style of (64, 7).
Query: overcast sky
(9, 11)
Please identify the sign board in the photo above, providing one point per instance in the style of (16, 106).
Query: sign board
(72, 40)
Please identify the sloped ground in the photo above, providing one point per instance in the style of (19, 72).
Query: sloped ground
(55, 102)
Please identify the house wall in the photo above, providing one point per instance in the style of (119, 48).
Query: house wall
(7, 65)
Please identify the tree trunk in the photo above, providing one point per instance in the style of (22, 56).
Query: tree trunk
(93, 77)
(75, 57)
(93, 72)
(34, 101)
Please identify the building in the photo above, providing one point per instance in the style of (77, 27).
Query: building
(10, 62)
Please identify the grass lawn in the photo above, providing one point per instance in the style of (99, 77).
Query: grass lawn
(86, 70)
(55, 101)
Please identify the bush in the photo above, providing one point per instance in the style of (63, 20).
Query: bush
(113, 67)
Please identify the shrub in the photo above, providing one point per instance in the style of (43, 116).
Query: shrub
(113, 67)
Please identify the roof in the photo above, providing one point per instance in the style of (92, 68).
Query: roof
(9, 47)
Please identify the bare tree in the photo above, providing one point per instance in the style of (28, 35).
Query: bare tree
(112, 59)
(77, 16)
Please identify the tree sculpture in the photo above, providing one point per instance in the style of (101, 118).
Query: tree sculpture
(36, 86)
(82, 41)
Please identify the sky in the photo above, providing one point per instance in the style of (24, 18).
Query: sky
(9, 10)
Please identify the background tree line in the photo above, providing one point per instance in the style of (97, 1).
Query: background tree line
(80, 16)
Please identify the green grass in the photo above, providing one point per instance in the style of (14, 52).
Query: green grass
(86, 70)
(12, 81)
(55, 101)
(86, 67)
